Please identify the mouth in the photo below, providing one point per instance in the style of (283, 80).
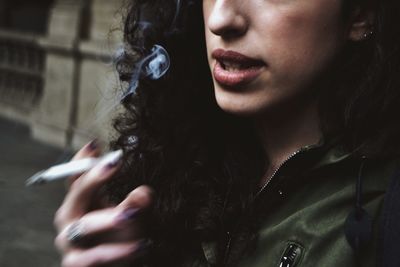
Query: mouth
(233, 69)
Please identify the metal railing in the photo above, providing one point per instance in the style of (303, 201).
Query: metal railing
(21, 69)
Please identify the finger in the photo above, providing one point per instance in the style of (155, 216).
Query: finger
(104, 255)
(107, 225)
(140, 198)
(91, 149)
(103, 200)
(78, 232)
(81, 196)
(108, 220)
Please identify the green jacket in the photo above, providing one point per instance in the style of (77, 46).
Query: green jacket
(303, 211)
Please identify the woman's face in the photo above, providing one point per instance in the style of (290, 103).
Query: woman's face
(265, 53)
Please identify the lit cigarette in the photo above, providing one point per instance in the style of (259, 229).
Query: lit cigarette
(65, 170)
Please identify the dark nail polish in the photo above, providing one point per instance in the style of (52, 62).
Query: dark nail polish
(128, 215)
(112, 165)
(94, 144)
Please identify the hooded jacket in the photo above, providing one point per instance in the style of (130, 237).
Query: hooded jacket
(305, 212)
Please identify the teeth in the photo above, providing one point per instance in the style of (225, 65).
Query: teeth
(231, 66)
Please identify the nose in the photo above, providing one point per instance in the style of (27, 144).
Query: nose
(227, 18)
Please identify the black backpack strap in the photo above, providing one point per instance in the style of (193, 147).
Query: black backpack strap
(389, 240)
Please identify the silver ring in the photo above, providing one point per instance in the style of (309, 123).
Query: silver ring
(75, 233)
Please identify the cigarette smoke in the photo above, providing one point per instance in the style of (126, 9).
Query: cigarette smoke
(174, 24)
(157, 63)
(153, 66)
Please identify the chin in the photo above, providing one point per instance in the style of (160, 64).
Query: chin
(239, 104)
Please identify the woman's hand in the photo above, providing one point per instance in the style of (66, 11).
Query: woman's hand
(104, 236)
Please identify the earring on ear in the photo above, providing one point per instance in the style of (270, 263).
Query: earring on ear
(367, 34)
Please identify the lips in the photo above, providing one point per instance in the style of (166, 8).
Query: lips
(233, 69)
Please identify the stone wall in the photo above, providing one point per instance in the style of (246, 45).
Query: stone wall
(21, 75)
(98, 102)
(78, 97)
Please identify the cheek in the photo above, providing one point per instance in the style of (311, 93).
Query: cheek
(303, 41)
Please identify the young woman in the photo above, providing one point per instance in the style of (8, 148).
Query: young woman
(269, 142)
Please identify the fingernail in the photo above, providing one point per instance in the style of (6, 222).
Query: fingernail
(112, 165)
(112, 159)
(128, 215)
(93, 145)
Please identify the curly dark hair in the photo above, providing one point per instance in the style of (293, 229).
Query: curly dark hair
(204, 164)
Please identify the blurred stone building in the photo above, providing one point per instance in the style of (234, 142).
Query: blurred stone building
(56, 71)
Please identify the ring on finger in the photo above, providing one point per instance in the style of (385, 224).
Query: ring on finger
(75, 233)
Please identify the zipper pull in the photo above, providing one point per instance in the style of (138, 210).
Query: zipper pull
(228, 246)
(291, 256)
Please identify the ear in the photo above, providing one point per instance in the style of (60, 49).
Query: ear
(361, 23)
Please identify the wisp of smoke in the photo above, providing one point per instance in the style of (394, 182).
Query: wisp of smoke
(175, 20)
(153, 66)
